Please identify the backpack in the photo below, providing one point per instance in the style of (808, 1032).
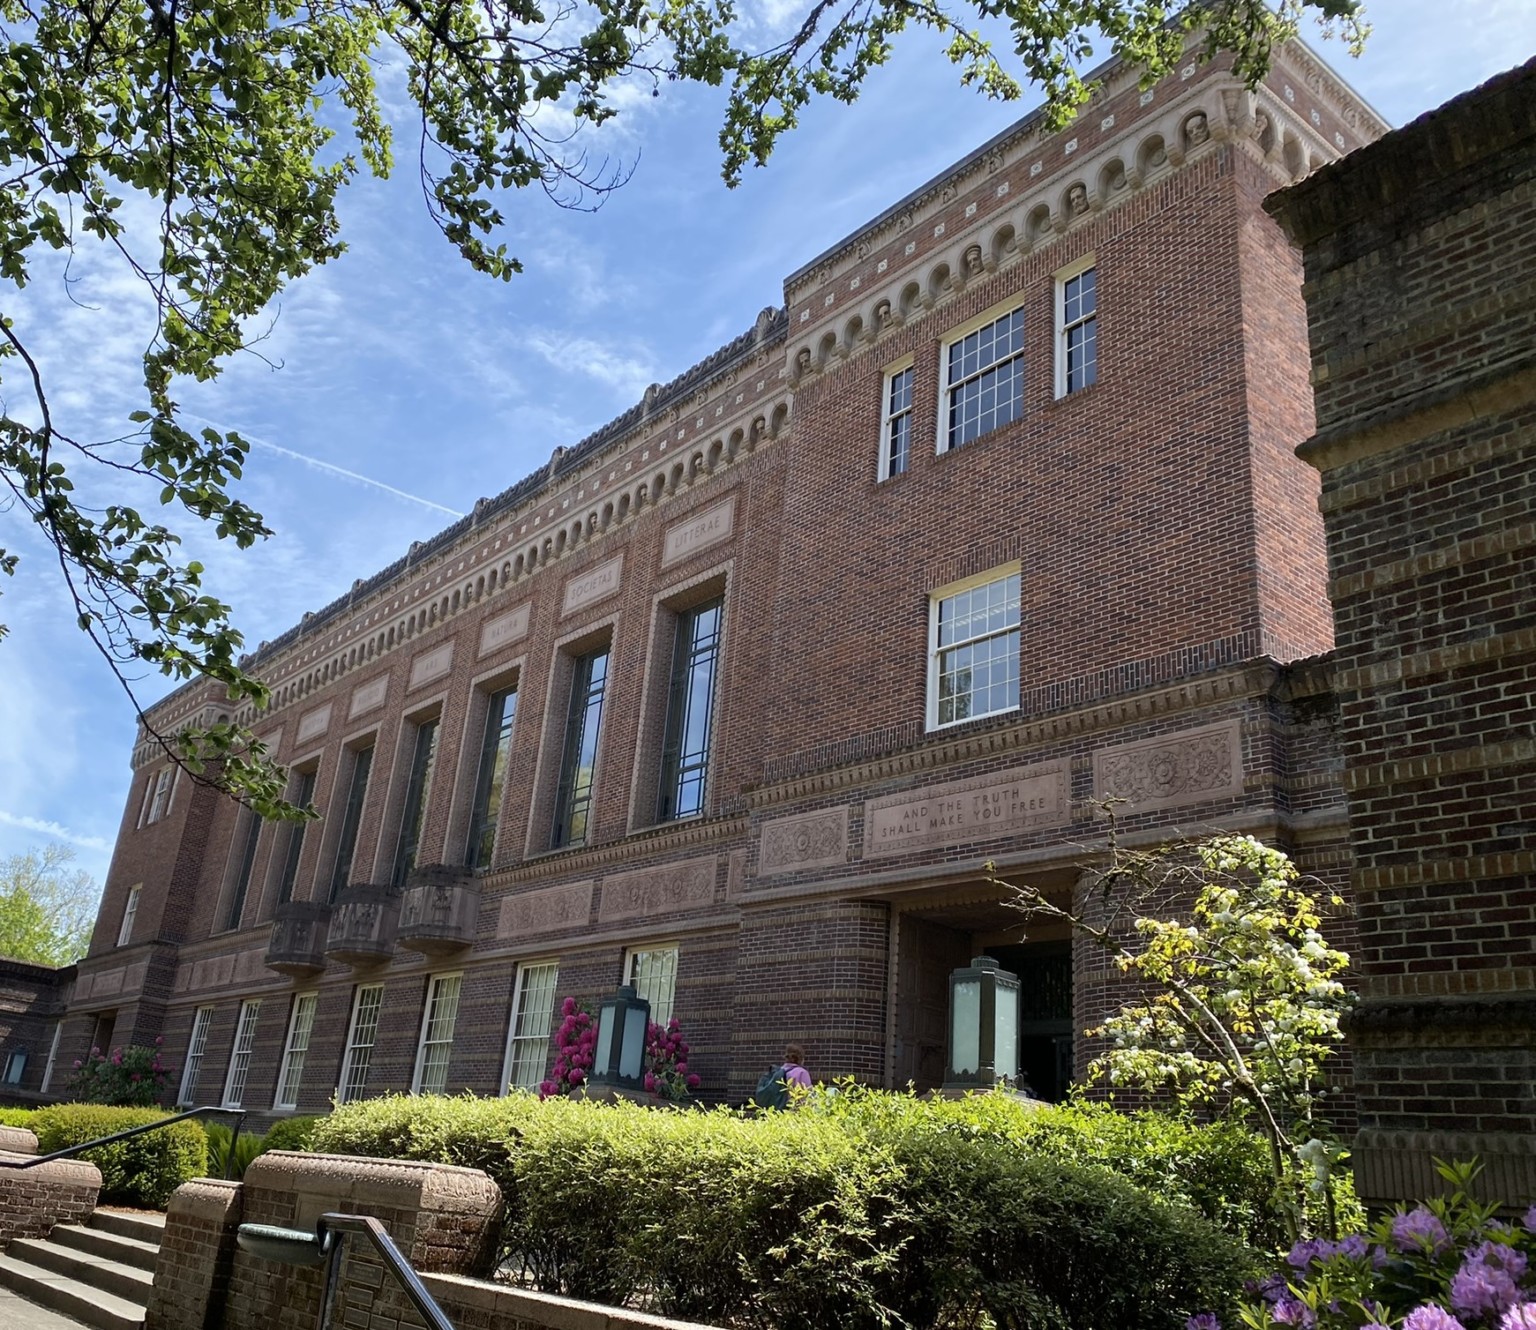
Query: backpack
(772, 1088)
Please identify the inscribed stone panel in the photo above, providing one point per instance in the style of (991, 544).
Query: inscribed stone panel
(368, 695)
(592, 585)
(431, 665)
(807, 840)
(1004, 803)
(504, 628)
(545, 910)
(1172, 769)
(659, 890)
(315, 723)
(699, 532)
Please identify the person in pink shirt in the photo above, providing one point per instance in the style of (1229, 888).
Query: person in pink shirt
(794, 1073)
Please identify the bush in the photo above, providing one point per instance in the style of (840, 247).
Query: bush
(290, 1134)
(132, 1077)
(16, 1117)
(229, 1155)
(142, 1171)
(860, 1211)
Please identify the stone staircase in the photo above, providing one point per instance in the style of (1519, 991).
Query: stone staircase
(99, 1273)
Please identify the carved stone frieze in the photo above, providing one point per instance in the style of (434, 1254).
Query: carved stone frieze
(1173, 769)
(594, 584)
(1004, 803)
(504, 629)
(545, 910)
(699, 531)
(807, 840)
(660, 890)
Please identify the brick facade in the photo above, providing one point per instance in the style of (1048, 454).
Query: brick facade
(1421, 291)
(1172, 602)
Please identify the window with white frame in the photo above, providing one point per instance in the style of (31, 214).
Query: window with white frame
(437, 1022)
(53, 1056)
(983, 378)
(15, 1066)
(653, 972)
(157, 797)
(291, 1074)
(533, 1003)
(362, 1030)
(196, 1047)
(130, 910)
(973, 659)
(896, 421)
(1077, 337)
(240, 1053)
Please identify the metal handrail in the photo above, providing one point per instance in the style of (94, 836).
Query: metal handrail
(328, 1244)
(70, 1151)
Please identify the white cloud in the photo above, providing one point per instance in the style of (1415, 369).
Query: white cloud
(56, 831)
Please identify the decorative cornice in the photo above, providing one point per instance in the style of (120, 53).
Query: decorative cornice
(632, 851)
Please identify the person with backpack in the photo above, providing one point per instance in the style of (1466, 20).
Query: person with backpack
(773, 1087)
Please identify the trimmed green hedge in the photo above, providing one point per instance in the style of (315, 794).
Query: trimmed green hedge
(143, 1171)
(861, 1211)
(16, 1117)
(289, 1134)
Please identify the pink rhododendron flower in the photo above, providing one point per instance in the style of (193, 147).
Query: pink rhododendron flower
(1430, 1317)
(1521, 1317)
(693, 1081)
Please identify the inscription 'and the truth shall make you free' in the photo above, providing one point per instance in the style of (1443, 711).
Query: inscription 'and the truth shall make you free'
(944, 814)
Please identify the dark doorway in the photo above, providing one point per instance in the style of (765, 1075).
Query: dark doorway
(1045, 1014)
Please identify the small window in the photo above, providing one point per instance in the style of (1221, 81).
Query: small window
(158, 797)
(1077, 340)
(291, 1075)
(361, 1033)
(491, 777)
(130, 912)
(983, 380)
(418, 794)
(351, 818)
(303, 795)
(974, 650)
(533, 1004)
(896, 423)
(242, 880)
(437, 1022)
(690, 712)
(573, 799)
(653, 972)
(240, 1054)
(15, 1066)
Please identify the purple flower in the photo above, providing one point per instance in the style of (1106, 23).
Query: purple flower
(650, 1081)
(575, 1076)
(1292, 1311)
(1419, 1230)
(1520, 1317)
(694, 1083)
(1430, 1317)
(1204, 1321)
(1530, 1220)
(1486, 1282)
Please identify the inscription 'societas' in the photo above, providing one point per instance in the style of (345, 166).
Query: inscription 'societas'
(967, 810)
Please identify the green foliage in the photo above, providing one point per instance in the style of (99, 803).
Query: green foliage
(143, 1170)
(16, 1117)
(46, 911)
(193, 145)
(228, 1155)
(132, 1077)
(861, 1209)
(290, 1133)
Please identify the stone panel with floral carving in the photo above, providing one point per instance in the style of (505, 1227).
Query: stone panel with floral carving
(807, 840)
(1173, 769)
(545, 910)
(661, 890)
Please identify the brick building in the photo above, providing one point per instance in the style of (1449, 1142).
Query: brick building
(998, 514)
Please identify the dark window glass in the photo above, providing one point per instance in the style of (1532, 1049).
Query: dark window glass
(418, 793)
(302, 796)
(898, 422)
(690, 713)
(490, 780)
(243, 876)
(362, 764)
(986, 379)
(573, 800)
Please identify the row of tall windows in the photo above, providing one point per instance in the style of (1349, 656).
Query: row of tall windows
(653, 971)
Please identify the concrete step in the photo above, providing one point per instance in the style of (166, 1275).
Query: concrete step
(92, 1306)
(125, 1281)
(144, 1226)
(125, 1251)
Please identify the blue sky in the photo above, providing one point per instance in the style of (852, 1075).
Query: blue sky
(402, 386)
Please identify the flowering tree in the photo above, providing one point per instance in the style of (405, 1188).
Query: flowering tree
(666, 1056)
(132, 1077)
(1243, 994)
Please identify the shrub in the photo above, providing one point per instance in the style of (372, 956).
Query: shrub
(142, 1171)
(229, 1155)
(16, 1117)
(290, 1133)
(132, 1077)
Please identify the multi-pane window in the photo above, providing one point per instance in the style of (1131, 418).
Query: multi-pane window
(690, 712)
(491, 776)
(654, 974)
(130, 912)
(984, 379)
(240, 1053)
(346, 845)
(291, 1075)
(437, 1034)
(361, 1033)
(573, 799)
(896, 423)
(303, 796)
(242, 881)
(418, 794)
(157, 797)
(1077, 349)
(975, 651)
(533, 1003)
(196, 1047)
(53, 1057)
